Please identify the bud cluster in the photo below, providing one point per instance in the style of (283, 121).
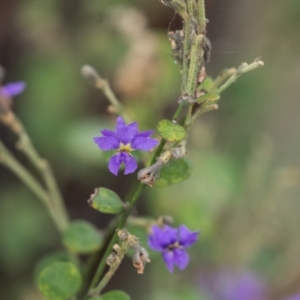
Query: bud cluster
(128, 241)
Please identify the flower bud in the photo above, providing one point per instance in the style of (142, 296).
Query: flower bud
(150, 174)
(91, 75)
(165, 220)
(113, 258)
(180, 151)
(123, 234)
(140, 258)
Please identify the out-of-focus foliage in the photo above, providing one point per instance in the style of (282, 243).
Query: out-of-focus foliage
(244, 190)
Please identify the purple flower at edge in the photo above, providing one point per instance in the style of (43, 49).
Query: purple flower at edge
(12, 89)
(172, 242)
(295, 297)
(124, 139)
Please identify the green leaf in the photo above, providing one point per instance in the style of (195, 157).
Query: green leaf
(82, 237)
(48, 259)
(170, 131)
(113, 295)
(59, 281)
(207, 84)
(106, 201)
(208, 97)
(174, 172)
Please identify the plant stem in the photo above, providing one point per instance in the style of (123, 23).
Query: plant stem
(202, 18)
(131, 199)
(7, 159)
(24, 144)
(195, 62)
(113, 268)
(243, 68)
(104, 86)
(186, 53)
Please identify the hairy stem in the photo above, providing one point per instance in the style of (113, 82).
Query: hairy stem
(201, 16)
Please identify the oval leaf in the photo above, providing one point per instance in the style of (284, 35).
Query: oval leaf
(106, 201)
(50, 259)
(174, 172)
(115, 295)
(82, 237)
(59, 281)
(170, 131)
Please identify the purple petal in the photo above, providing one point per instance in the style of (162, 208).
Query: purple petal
(143, 143)
(107, 142)
(12, 89)
(186, 237)
(107, 132)
(129, 162)
(145, 133)
(239, 285)
(162, 237)
(154, 242)
(126, 132)
(120, 122)
(295, 297)
(114, 163)
(168, 257)
(181, 258)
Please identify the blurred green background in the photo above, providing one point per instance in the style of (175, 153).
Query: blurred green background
(244, 192)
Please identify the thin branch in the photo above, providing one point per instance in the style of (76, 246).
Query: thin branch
(243, 68)
(24, 144)
(8, 160)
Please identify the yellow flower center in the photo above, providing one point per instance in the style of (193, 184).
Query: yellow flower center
(126, 147)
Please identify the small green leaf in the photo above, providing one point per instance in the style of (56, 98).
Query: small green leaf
(174, 172)
(170, 131)
(113, 295)
(59, 281)
(207, 84)
(106, 201)
(208, 97)
(82, 237)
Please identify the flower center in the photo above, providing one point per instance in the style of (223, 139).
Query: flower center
(174, 246)
(126, 148)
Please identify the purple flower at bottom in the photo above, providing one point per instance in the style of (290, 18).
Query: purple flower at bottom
(171, 242)
(124, 139)
(228, 284)
(12, 89)
(295, 297)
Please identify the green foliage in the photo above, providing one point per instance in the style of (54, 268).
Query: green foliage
(59, 281)
(207, 84)
(170, 131)
(176, 171)
(112, 295)
(82, 237)
(106, 201)
(49, 259)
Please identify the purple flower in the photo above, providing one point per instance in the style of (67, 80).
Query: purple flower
(295, 297)
(124, 139)
(235, 285)
(171, 242)
(12, 89)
